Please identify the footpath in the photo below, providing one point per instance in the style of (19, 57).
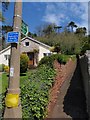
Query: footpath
(71, 101)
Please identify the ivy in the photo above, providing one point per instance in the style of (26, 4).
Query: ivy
(35, 92)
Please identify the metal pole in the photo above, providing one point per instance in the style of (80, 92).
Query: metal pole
(15, 112)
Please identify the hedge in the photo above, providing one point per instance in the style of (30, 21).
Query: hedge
(35, 93)
(48, 60)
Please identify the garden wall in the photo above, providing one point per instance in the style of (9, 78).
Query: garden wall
(85, 70)
(64, 72)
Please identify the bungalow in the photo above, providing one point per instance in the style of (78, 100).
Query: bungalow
(34, 49)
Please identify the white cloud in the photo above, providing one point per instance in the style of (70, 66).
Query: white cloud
(51, 18)
(52, 14)
(65, 12)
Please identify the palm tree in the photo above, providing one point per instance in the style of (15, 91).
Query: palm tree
(72, 25)
(58, 28)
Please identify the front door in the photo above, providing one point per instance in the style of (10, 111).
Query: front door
(31, 58)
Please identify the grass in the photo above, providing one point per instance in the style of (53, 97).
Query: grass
(4, 80)
(23, 77)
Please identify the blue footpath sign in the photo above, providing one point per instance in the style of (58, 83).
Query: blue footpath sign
(12, 37)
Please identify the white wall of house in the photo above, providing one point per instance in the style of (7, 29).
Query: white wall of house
(42, 51)
(33, 44)
(28, 47)
(4, 54)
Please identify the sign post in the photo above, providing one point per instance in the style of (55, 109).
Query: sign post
(13, 107)
(24, 28)
(12, 37)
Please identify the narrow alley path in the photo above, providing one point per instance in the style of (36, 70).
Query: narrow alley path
(71, 101)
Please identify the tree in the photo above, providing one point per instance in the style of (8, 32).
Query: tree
(85, 44)
(72, 25)
(4, 7)
(49, 29)
(1, 17)
(5, 30)
(66, 30)
(45, 30)
(32, 34)
(39, 30)
(57, 48)
(81, 31)
(58, 28)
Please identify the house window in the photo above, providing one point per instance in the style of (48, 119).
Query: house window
(49, 54)
(46, 54)
(7, 57)
(27, 43)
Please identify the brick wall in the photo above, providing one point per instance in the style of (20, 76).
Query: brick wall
(63, 73)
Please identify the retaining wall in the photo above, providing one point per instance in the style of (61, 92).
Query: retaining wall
(64, 72)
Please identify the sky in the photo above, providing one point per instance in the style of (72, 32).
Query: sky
(36, 14)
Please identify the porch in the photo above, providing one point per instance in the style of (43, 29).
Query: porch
(33, 59)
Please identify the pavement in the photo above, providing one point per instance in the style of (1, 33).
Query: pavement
(71, 102)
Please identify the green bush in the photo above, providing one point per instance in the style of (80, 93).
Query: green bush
(23, 63)
(48, 60)
(2, 67)
(84, 48)
(65, 42)
(35, 92)
(2, 104)
(62, 59)
(6, 68)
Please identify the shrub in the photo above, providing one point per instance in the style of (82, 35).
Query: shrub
(2, 104)
(23, 63)
(62, 59)
(2, 67)
(6, 69)
(48, 60)
(84, 48)
(35, 92)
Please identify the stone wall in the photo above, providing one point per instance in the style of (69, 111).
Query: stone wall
(85, 70)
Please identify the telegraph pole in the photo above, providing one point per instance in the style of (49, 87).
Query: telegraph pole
(14, 75)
